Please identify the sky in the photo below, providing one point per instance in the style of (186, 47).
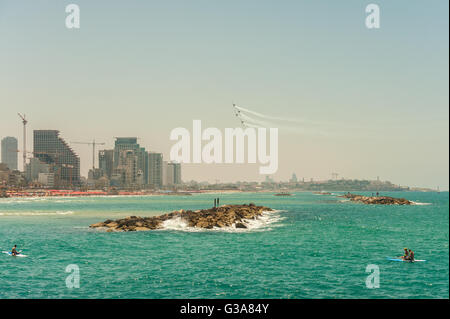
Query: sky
(143, 68)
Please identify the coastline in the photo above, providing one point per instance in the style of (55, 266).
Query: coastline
(71, 193)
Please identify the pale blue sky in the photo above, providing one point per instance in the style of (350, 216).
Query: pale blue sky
(142, 68)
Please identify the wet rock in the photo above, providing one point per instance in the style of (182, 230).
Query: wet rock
(377, 200)
(223, 216)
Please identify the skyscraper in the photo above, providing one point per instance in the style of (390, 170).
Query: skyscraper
(128, 166)
(155, 170)
(9, 152)
(106, 162)
(173, 173)
(130, 144)
(176, 173)
(51, 149)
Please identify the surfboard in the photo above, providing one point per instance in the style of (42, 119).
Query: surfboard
(399, 259)
(10, 254)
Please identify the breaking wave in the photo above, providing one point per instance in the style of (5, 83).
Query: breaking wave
(265, 222)
(420, 204)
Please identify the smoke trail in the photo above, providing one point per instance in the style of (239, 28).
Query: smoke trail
(251, 125)
(255, 121)
(268, 117)
(284, 124)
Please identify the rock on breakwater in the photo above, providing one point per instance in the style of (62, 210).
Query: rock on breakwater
(377, 200)
(223, 216)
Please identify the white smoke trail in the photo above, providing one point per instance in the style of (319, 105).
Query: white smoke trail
(288, 125)
(251, 125)
(268, 117)
(248, 119)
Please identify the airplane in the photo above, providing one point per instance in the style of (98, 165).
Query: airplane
(238, 114)
(236, 111)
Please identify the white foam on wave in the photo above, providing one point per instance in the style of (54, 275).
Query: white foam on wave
(261, 223)
(37, 213)
(420, 204)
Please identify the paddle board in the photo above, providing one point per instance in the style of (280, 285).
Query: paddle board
(9, 253)
(399, 259)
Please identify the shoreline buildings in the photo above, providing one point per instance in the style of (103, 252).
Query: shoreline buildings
(173, 173)
(49, 148)
(129, 165)
(55, 164)
(155, 168)
(9, 152)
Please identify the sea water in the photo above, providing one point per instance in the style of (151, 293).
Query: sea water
(312, 246)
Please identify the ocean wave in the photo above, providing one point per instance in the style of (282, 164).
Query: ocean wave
(37, 213)
(420, 204)
(264, 222)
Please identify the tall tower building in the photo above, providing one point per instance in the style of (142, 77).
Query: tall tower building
(9, 152)
(128, 165)
(130, 144)
(106, 162)
(51, 149)
(173, 176)
(155, 169)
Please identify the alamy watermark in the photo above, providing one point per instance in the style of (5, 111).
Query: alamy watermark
(373, 17)
(73, 17)
(230, 149)
(73, 280)
(373, 279)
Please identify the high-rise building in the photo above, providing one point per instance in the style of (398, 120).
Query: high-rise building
(51, 149)
(9, 152)
(130, 144)
(173, 173)
(155, 170)
(106, 162)
(165, 178)
(128, 167)
(176, 173)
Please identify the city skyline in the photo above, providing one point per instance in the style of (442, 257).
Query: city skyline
(156, 68)
(162, 169)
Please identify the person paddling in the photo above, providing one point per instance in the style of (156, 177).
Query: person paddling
(411, 256)
(406, 255)
(14, 251)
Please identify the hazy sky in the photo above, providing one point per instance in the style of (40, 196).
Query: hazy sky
(142, 68)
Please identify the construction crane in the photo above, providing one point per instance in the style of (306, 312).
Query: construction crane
(93, 143)
(24, 121)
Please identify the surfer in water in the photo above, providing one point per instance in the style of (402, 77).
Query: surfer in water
(411, 256)
(406, 255)
(14, 251)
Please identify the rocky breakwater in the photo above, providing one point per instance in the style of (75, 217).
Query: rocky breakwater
(223, 216)
(377, 200)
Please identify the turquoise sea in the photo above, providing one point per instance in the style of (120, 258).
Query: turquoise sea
(314, 246)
